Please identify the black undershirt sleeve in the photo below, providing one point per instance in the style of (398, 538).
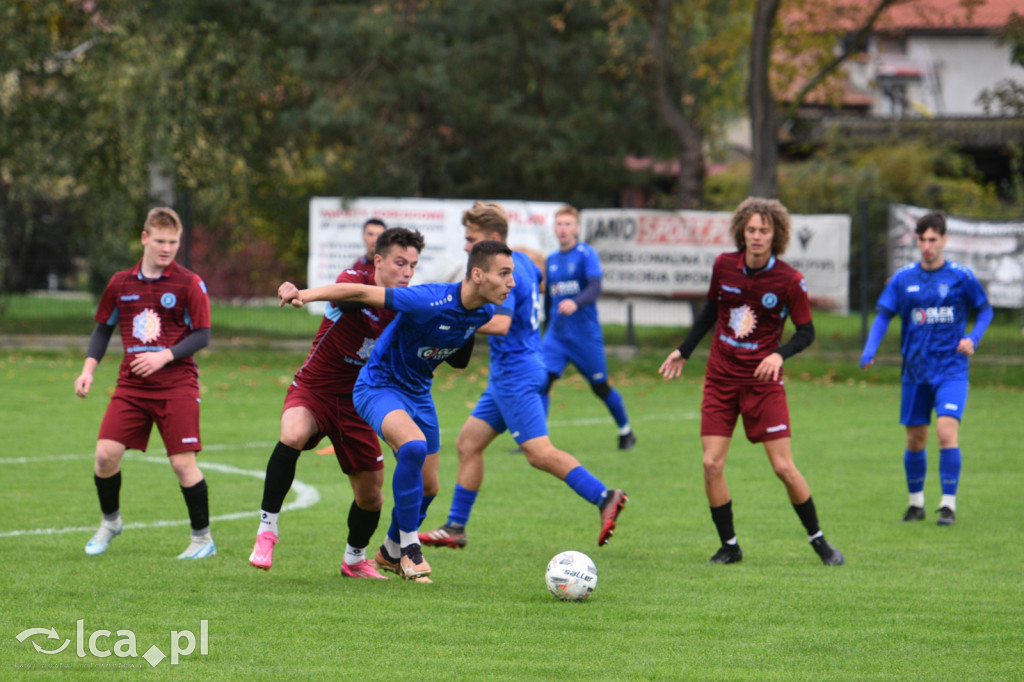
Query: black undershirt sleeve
(704, 323)
(460, 359)
(803, 337)
(99, 340)
(195, 341)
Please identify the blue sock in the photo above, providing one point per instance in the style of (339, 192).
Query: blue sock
(617, 407)
(462, 505)
(407, 485)
(949, 469)
(424, 506)
(585, 485)
(916, 464)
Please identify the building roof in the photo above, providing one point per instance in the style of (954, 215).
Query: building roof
(908, 15)
(949, 14)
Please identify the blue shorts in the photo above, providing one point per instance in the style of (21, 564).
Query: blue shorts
(375, 403)
(518, 407)
(587, 355)
(947, 398)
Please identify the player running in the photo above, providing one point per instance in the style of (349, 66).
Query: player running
(436, 323)
(573, 284)
(319, 403)
(514, 397)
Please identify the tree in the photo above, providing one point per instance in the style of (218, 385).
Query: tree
(1007, 96)
(819, 37)
(689, 57)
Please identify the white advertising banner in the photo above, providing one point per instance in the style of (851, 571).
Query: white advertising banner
(336, 232)
(993, 250)
(670, 254)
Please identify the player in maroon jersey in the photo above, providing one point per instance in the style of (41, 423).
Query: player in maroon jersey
(752, 293)
(319, 403)
(372, 229)
(163, 312)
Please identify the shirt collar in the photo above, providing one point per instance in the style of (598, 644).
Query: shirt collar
(137, 271)
(766, 268)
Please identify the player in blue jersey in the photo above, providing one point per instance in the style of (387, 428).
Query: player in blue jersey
(514, 397)
(933, 299)
(435, 323)
(573, 332)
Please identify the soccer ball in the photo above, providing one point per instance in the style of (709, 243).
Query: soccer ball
(571, 576)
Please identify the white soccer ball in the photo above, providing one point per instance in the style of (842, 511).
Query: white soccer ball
(571, 576)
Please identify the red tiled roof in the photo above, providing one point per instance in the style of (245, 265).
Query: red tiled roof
(947, 14)
(908, 15)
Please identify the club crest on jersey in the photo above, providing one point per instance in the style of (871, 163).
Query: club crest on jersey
(943, 290)
(146, 326)
(769, 300)
(168, 300)
(367, 348)
(742, 321)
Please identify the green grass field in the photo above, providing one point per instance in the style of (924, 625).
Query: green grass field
(913, 602)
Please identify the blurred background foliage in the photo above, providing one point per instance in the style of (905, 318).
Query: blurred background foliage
(239, 111)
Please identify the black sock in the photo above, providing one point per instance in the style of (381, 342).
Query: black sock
(361, 525)
(109, 490)
(808, 516)
(722, 516)
(280, 474)
(198, 502)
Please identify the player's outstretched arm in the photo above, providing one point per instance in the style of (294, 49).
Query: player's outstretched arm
(343, 291)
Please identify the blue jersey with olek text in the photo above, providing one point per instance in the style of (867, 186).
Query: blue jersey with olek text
(522, 343)
(569, 273)
(933, 306)
(431, 325)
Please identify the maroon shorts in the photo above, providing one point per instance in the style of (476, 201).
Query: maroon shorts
(763, 406)
(129, 420)
(355, 444)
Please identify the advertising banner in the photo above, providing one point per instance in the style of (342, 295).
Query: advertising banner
(993, 250)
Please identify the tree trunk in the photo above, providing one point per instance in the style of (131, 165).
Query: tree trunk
(764, 114)
(690, 184)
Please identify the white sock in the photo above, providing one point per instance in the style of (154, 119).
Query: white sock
(268, 522)
(112, 520)
(409, 537)
(812, 538)
(948, 501)
(731, 541)
(623, 430)
(353, 555)
(392, 547)
(917, 499)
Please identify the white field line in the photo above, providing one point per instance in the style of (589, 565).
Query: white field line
(305, 494)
